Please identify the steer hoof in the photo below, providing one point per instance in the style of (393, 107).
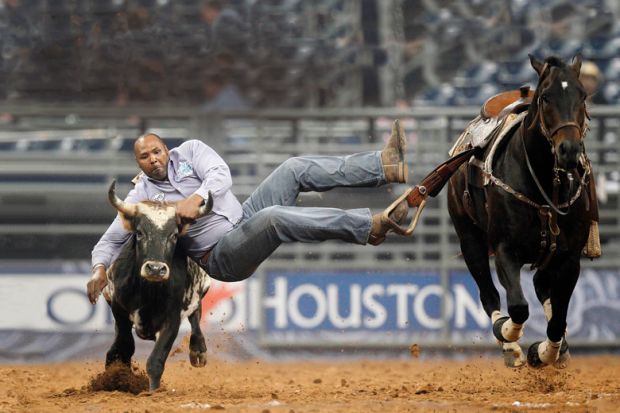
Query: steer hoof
(513, 355)
(154, 385)
(198, 358)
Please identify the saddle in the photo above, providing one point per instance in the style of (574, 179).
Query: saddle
(494, 116)
(498, 116)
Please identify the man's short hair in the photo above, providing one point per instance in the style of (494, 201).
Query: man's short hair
(214, 4)
(590, 69)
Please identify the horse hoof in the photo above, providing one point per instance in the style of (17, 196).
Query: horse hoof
(198, 358)
(533, 359)
(497, 329)
(564, 358)
(513, 355)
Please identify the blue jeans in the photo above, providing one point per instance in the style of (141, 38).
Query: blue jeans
(270, 217)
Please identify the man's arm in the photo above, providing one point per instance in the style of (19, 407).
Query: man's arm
(212, 169)
(108, 248)
(215, 175)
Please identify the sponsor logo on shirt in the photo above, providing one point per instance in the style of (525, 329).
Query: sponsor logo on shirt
(185, 169)
(159, 197)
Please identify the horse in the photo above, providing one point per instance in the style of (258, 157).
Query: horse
(533, 208)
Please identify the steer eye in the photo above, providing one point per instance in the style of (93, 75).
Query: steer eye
(139, 234)
(173, 237)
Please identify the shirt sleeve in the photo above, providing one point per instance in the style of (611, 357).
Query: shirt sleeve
(112, 241)
(212, 169)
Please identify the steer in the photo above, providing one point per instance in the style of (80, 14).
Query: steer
(153, 286)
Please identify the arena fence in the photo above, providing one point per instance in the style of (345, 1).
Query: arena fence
(70, 154)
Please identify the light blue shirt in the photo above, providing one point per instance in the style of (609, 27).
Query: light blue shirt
(194, 168)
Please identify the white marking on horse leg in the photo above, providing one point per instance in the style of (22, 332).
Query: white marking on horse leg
(547, 308)
(495, 315)
(512, 331)
(548, 351)
(513, 355)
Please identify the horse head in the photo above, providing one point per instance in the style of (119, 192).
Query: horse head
(558, 108)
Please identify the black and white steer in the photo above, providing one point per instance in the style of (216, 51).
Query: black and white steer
(153, 286)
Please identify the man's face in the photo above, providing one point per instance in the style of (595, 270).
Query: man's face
(590, 83)
(152, 157)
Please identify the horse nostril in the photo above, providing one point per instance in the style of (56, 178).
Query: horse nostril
(562, 149)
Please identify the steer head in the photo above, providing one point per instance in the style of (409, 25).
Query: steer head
(156, 228)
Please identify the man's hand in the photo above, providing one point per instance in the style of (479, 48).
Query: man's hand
(187, 209)
(96, 284)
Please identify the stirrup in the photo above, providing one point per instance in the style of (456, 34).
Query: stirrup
(395, 226)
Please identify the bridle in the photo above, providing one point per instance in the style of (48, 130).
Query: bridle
(548, 213)
(553, 203)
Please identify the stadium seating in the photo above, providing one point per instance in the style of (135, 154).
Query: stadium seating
(290, 53)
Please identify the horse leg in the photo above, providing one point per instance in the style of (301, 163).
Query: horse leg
(474, 249)
(560, 284)
(542, 287)
(508, 330)
(197, 346)
(123, 347)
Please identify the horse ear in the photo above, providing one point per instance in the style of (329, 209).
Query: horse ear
(536, 64)
(576, 65)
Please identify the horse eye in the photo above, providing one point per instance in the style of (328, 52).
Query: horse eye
(139, 234)
(545, 98)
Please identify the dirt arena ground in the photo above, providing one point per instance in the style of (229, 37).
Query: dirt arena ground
(590, 384)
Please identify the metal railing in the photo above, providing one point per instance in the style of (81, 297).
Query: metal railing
(253, 144)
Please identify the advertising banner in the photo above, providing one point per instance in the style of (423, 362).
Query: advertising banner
(310, 308)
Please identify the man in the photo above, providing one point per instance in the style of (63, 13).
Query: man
(591, 79)
(234, 239)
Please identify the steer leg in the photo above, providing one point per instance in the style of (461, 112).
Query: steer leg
(123, 347)
(197, 346)
(156, 361)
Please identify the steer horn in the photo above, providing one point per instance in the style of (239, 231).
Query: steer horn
(206, 206)
(129, 210)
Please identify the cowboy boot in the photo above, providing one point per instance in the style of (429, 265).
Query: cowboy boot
(395, 168)
(380, 225)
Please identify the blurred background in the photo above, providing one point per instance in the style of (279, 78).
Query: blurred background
(260, 81)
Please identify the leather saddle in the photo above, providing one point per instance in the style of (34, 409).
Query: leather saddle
(493, 115)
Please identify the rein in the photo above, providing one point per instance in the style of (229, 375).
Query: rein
(556, 184)
(548, 212)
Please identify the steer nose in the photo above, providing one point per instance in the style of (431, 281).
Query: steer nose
(155, 271)
(153, 268)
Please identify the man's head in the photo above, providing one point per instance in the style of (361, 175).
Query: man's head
(152, 156)
(210, 10)
(590, 77)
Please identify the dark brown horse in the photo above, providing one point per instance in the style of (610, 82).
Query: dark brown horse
(533, 209)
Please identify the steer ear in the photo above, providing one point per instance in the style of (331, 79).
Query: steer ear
(126, 209)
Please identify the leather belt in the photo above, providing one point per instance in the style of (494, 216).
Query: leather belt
(205, 258)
